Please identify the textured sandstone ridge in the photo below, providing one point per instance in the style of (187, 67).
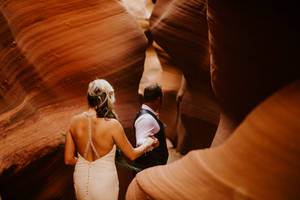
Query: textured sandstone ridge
(140, 9)
(180, 28)
(254, 49)
(250, 45)
(238, 53)
(49, 52)
(270, 172)
(182, 24)
(158, 69)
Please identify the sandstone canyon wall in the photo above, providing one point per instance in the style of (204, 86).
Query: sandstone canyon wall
(232, 55)
(50, 50)
(180, 28)
(246, 42)
(253, 49)
(257, 162)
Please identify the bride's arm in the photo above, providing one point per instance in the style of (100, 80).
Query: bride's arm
(69, 157)
(121, 140)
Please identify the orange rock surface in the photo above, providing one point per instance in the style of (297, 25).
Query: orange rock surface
(50, 51)
(255, 154)
(253, 49)
(180, 28)
(259, 161)
(232, 55)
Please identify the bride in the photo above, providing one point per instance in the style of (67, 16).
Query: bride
(95, 134)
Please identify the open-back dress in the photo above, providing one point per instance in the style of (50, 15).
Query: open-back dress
(97, 179)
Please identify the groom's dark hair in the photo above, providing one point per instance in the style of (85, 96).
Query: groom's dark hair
(152, 92)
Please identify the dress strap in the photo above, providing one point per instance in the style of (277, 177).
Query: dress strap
(90, 142)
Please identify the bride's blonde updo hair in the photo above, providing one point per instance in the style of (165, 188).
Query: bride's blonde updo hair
(101, 97)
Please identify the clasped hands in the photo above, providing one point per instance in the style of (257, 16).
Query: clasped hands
(151, 142)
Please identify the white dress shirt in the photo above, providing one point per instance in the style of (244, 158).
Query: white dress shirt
(145, 125)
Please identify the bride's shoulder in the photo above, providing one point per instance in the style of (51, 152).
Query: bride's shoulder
(113, 122)
(77, 118)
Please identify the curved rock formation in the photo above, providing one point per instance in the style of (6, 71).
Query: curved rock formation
(158, 69)
(254, 49)
(49, 52)
(141, 10)
(247, 54)
(180, 28)
(248, 63)
(270, 169)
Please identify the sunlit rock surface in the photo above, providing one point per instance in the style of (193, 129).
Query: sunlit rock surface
(232, 55)
(180, 27)
(257, 162)
(158, 68)
(253, 49)
(50, 51)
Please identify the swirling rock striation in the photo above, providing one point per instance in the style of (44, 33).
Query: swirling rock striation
(249, 61)
(253, 53)
(180, 28)
(218, 173)
(49, 52)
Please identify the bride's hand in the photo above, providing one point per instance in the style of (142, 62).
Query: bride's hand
(148, 142)
(156, 142)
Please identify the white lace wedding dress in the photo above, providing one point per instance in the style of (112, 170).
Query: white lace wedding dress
(97, 179)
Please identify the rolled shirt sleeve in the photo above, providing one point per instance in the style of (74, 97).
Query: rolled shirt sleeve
(144, 126)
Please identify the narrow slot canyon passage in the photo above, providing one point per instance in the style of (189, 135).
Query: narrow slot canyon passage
(229, 72)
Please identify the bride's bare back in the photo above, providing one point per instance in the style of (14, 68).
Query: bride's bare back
(94, 138)
(104, 134)
(101, 135)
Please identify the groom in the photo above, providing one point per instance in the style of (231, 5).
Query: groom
(147, 123)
